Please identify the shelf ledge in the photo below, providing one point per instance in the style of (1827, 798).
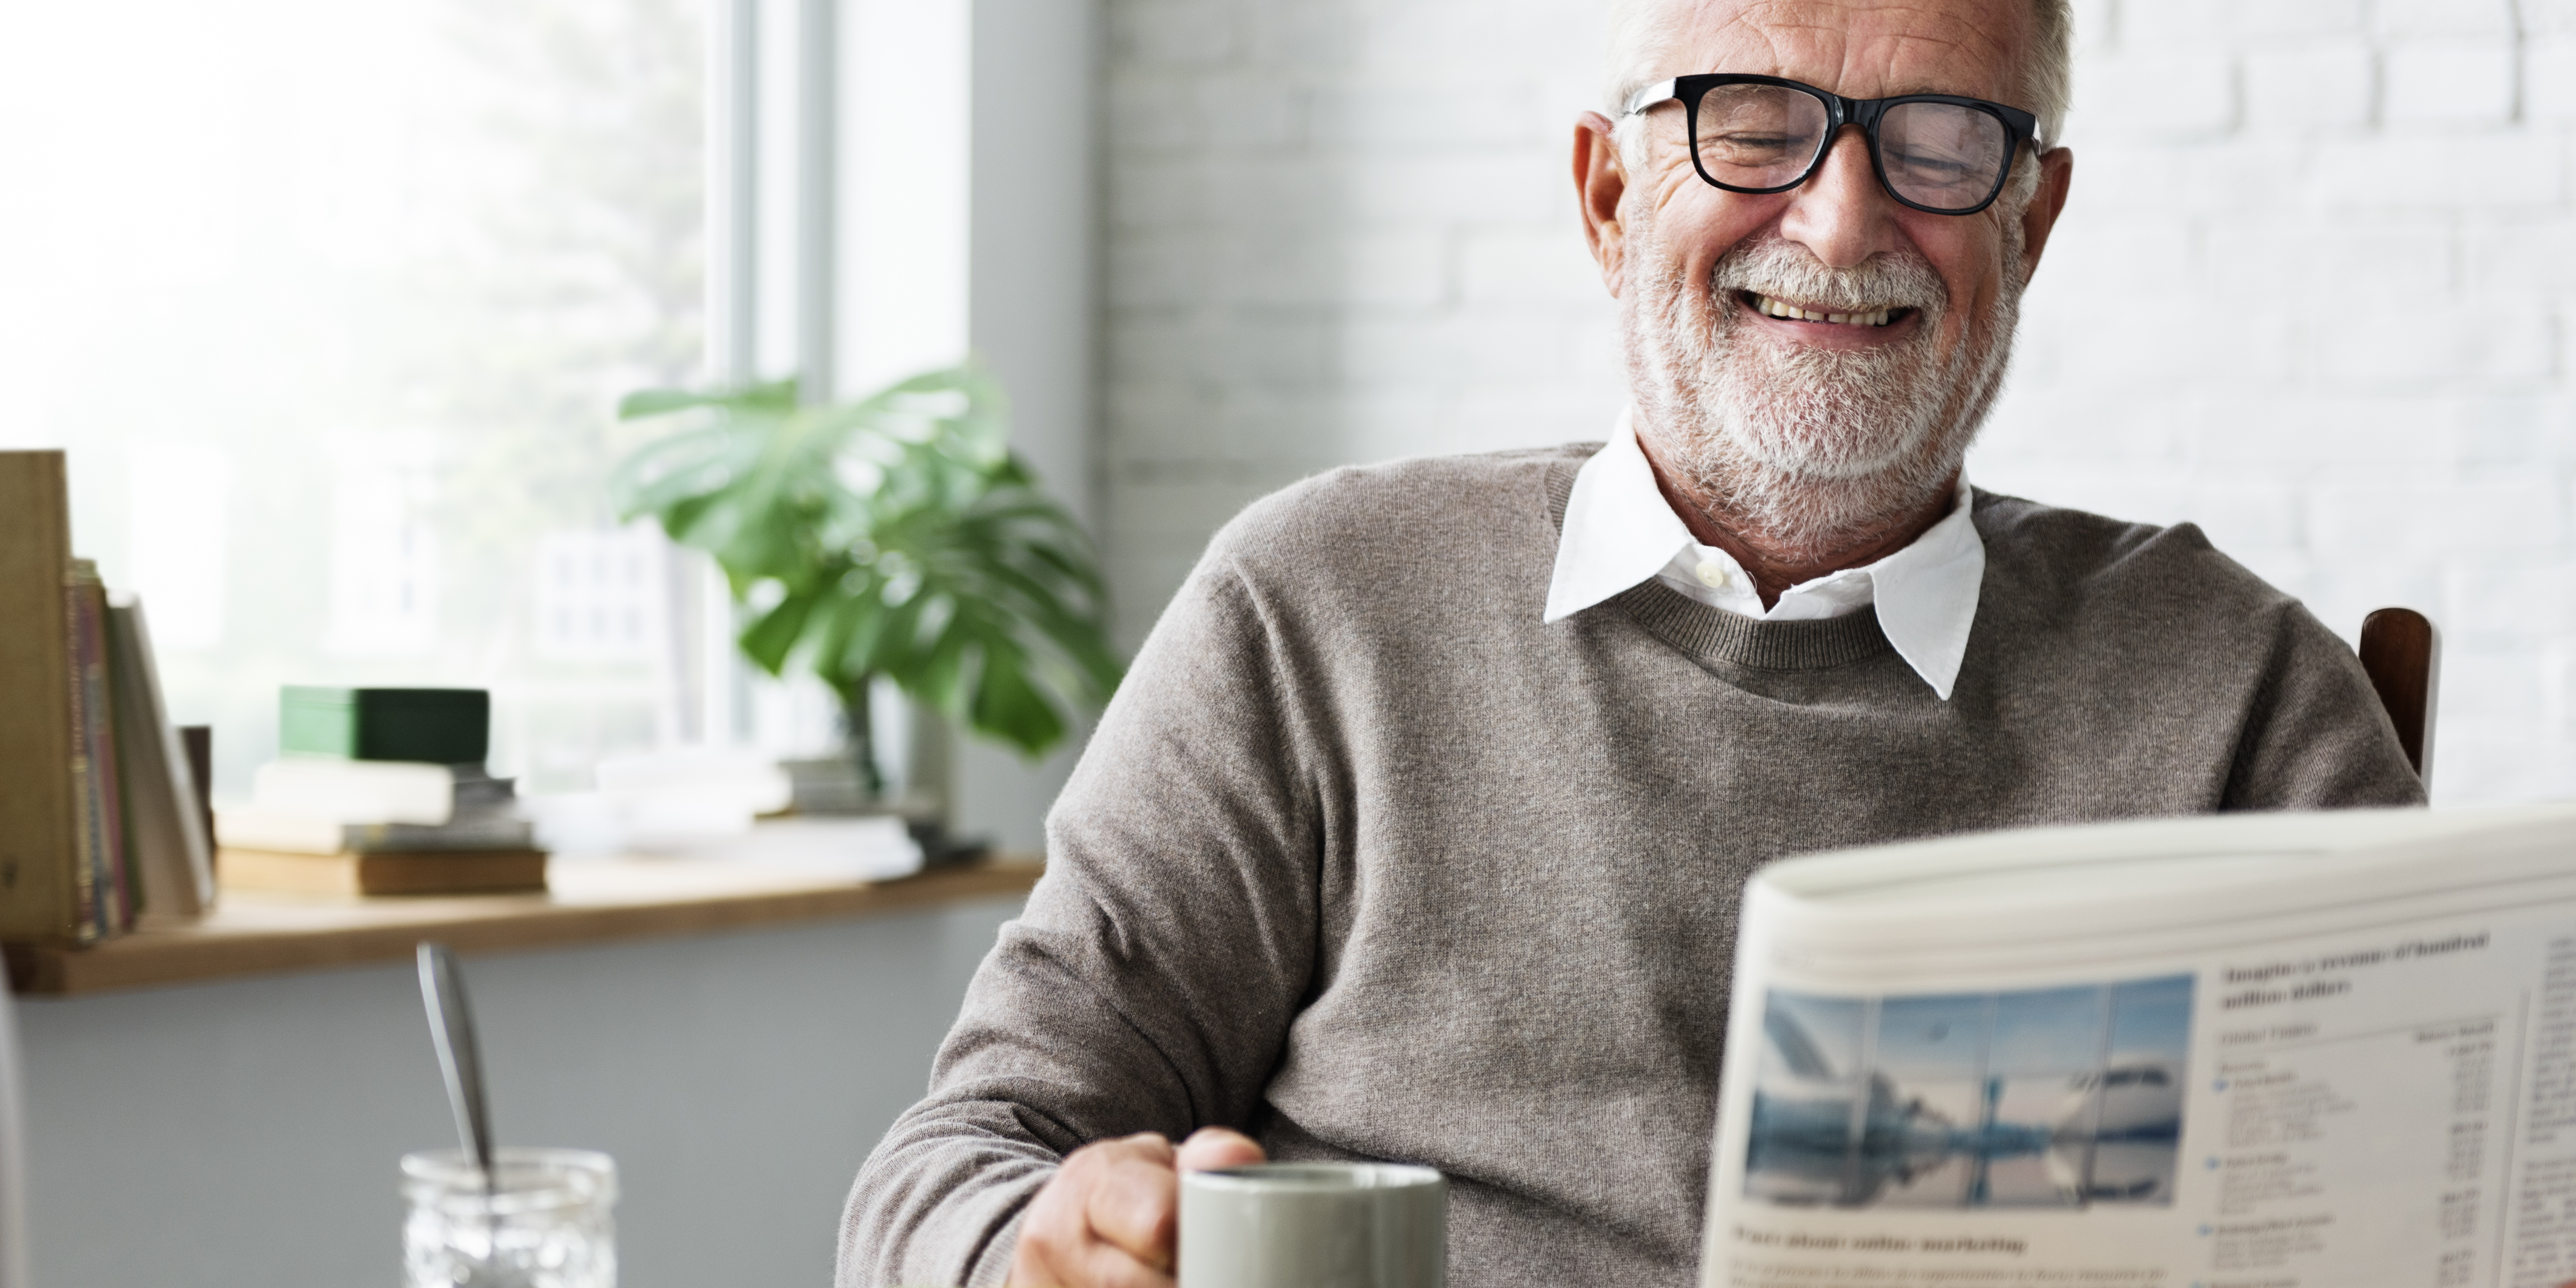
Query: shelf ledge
(257, 933)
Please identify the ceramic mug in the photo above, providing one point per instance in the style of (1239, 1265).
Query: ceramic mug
(1314, 1225)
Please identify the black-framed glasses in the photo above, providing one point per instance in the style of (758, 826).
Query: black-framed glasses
(1938, 153)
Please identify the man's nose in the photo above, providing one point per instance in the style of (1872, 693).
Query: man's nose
(1840, 214)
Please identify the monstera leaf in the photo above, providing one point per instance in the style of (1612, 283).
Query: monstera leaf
(895, 536)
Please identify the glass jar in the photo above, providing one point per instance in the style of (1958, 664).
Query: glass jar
(543, 1224)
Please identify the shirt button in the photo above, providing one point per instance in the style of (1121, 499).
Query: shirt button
(1714, 575)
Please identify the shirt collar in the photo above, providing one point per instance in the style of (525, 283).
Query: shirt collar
(1620, 532)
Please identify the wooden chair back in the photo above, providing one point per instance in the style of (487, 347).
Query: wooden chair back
(2403, 654)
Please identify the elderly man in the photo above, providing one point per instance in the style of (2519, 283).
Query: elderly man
(1418, 830)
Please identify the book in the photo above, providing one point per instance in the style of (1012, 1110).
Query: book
(314, 805)
(262, 827)
(95, 759)
(437, 726)
(460, 872)
(164, 821)
(199, 742)
(93, 894)
(106, 901)
(2283, 1049)
(356, 791)
(41, 880)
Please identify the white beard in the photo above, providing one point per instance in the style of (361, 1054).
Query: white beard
(1810, 451)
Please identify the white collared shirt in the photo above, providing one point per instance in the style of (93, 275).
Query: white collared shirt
(1619, 531)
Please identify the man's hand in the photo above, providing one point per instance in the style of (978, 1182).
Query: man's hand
(1111, 1215)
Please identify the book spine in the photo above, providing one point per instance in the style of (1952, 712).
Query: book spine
(40, 813)
(98, 739)
(88, 837)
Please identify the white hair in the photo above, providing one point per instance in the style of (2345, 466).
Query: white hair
(1644, 35)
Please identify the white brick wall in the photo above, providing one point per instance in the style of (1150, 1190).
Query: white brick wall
(2316, 291)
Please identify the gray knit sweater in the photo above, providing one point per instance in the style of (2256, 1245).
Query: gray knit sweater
(1368, 862)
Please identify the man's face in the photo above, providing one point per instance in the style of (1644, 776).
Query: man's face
(1813, 429)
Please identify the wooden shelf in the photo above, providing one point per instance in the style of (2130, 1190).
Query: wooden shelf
(252, 933)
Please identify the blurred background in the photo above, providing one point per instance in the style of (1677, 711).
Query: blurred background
(333, 302)
(331, 305)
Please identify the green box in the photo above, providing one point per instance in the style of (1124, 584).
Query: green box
(442, 726)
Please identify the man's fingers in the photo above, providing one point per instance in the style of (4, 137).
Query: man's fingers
(1109, 1219)
(1103, 1221)
(1057, 1250)
(1133, 1204)
(1210, 1148)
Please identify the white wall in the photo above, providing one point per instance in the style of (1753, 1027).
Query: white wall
(247, 1134)
(1337, 232)
(1341, 230)
(2321, 306)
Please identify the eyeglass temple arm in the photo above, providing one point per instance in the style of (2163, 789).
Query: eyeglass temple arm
(1652, 95)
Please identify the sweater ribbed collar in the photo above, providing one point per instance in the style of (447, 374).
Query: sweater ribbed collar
(1714, 634)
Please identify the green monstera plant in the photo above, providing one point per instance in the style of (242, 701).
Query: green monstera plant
(895, 536)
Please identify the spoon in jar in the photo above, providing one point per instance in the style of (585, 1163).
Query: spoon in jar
(451, 1026)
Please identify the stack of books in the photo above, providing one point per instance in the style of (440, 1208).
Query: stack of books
(379, 792)
(101, 820)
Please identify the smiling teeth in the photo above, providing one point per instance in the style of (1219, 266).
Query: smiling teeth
(1792, 312)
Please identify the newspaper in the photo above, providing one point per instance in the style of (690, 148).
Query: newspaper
(2249, 1051)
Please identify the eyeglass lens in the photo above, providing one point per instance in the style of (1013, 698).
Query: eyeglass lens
(1942, 155)
(1939, 155)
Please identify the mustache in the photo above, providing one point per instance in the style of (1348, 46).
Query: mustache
(1784, 270)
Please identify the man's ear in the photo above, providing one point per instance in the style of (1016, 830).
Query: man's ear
(1600, 180)
(2056, 174)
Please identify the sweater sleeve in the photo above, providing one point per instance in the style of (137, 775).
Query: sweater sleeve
(1151, 981)
(2316, 736)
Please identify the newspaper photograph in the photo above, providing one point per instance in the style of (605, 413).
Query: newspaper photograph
(2035, 1098)
(2279, 1051)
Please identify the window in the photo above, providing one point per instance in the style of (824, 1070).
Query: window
(329, 304)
